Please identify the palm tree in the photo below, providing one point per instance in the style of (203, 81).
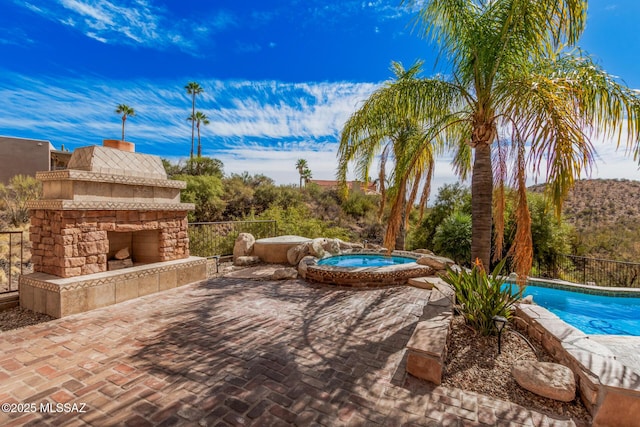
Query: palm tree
(375, 130)
(193, 89)
(515, 96)
(306, 175)
(126, 111)
(199, 118)
(301, 165)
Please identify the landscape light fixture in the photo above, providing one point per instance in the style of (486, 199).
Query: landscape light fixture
(499, 322)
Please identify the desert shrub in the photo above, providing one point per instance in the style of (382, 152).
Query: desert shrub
(480, 297)
(453, 237)
(359, 204)
(238, 196)
(14, 198)
(297, 220)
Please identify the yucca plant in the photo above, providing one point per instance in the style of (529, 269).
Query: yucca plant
(480, 297)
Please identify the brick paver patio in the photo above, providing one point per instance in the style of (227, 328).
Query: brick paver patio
(232, 352)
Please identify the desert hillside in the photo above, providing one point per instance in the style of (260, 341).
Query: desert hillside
(602, 202)
(606, 215)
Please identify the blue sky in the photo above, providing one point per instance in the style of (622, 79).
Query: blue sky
(280, 76)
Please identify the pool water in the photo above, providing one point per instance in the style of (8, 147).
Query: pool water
(592, 314)
(362, 260)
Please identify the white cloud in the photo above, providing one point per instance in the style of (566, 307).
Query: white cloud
(134, 22)
(266, 119)
(260, 127)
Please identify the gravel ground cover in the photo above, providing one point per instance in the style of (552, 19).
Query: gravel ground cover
(473, 364)
(17, 317)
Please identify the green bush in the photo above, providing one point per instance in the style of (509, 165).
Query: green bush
(299, 221)
(358, 204)
(480, 297)
(205, 192)
(451, 198)
(453, 238)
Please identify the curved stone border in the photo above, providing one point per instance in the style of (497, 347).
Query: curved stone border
(609, 389)
(364, 276)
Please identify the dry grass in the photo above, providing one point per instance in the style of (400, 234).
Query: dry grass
(473, 364)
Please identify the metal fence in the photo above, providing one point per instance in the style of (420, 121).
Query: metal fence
(600, 272)
(207, 239)
(11, 260)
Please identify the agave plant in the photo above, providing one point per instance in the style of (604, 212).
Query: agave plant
(480, 296)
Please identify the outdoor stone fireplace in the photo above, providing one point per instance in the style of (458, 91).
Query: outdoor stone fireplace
(111, 216)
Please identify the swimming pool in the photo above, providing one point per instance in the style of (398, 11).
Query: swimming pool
(592, 314)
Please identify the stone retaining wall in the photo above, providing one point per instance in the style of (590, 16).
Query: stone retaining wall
(427, 347)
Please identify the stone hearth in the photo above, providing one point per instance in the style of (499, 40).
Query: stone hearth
(109, 201)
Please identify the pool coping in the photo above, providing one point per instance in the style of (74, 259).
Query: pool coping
(577, 287)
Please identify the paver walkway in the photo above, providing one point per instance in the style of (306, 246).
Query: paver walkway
(231, 352)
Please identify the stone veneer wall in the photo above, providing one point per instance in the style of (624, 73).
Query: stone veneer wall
(69, 243)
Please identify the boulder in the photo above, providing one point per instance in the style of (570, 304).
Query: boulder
(435, 262)
(348, 245)
(243, 246)
(285, 274)
(546, 379)
(243, 261)
(316, 248)
(423, 251)
(332, 246)
(304, 264)
(296, 253)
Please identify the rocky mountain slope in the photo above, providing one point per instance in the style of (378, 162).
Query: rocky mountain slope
(606, 216)
(601, 203)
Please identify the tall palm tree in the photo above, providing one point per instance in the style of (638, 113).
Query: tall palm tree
(193, 89)
(306, 176)
(199, 118)
(515, 97)
(126, 111)
(301, 165)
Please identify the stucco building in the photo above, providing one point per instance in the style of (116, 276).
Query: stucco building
(24, 156)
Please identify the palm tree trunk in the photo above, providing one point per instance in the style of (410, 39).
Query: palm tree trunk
(123, 120)
(193, 123)
(482, 197)
(401, 237)
(199, 146)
